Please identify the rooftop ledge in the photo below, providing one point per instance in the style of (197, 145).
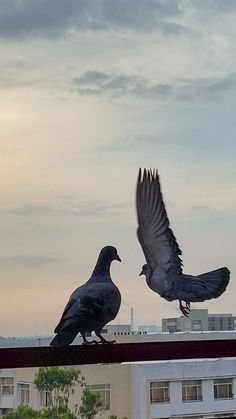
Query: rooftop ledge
(116, 353)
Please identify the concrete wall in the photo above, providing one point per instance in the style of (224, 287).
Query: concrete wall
(25, 375)
(118, 376)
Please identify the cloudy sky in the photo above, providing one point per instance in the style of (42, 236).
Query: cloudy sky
(90, 91)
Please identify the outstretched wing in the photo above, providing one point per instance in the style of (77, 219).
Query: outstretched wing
(156, 238)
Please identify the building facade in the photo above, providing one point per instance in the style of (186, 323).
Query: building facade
(199, 320)
(111, 381)
(196, 389)
(160, 390)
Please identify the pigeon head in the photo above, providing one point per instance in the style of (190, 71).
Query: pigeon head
(145, 271)
(109, 253)
(106, 256)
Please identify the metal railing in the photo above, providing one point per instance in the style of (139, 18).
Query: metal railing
(115, 353)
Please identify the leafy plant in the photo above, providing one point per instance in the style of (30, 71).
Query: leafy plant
(91, 404)
(58, 381)
(59, 384)
(22, 412)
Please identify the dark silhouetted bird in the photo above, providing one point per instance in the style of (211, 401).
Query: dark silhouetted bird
(92, 305)
(163, 270)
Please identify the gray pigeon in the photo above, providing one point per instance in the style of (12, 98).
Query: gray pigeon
(163, 270)
(92, 305)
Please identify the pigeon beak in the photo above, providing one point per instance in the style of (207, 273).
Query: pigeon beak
(117, 257)
(141, 273)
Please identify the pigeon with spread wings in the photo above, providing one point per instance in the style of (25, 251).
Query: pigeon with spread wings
(92, 305)
(163, 270)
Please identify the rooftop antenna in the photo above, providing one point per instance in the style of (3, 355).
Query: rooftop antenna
(132, 319)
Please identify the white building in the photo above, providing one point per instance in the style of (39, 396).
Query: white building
(189, 389)
(148, 328)
(199, 320)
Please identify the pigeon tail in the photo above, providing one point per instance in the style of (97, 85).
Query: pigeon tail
(216, 281)
(63, 339)
(199, 288)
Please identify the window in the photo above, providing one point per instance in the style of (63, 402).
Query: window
(7, 386)
(211, 323)
(223, 388)
(196, 325)
(4, 411)
(191, 390)
(230, 324)
(46, 398)
(221, 323)
(105, 393)
(159, 392)
(24, 393)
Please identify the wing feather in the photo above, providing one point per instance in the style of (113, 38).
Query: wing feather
(89, 301)
(155, 236)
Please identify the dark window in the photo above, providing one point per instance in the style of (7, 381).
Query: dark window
(223, 388)
(105, 394)
(159, 392)
(191, 390)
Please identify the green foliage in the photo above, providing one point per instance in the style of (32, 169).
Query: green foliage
(91, 404)
(60, 382)
(22, 412)
(26, 412)
(61, 412)
(55, 378)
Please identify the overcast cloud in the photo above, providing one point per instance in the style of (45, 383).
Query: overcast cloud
(57, 17)
(98, 83)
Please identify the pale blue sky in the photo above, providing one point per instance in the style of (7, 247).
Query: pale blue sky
(90, 91)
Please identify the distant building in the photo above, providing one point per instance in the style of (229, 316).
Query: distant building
(149, 328)
(199, 320)
(221, 322)
(117, 329)
(122, 330)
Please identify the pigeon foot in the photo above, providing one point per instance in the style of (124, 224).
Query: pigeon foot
(103, 340)
(92, 342)
(184, 309)
(107, 342)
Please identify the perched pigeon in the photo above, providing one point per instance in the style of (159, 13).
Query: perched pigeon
(92, 305)
(163, 270)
